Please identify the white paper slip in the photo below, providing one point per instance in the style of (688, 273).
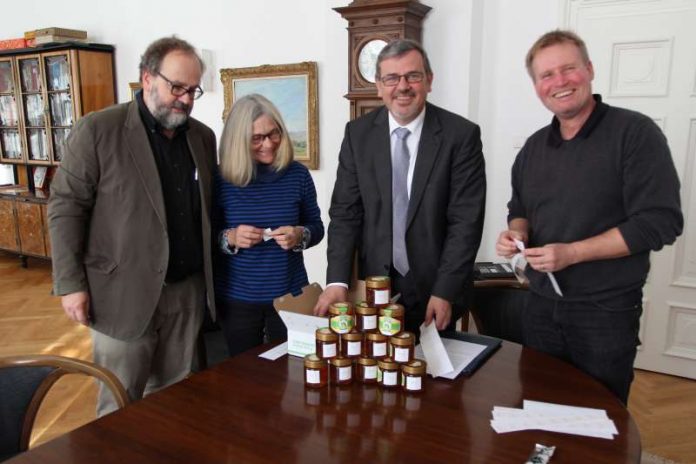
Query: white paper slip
(275, 352)
(434, 351)
(267, 234)
(552, 278)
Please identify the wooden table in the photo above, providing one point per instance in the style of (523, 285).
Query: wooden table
(252, 410)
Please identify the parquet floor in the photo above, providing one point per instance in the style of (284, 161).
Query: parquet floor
(31, 321)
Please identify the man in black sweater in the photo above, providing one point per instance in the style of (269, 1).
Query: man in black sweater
(593, 193)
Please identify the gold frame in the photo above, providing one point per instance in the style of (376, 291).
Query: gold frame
(306, 68)
(134, 87)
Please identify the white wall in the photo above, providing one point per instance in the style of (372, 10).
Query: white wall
(476, 49)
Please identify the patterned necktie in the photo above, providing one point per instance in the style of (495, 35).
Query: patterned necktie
(400, 162)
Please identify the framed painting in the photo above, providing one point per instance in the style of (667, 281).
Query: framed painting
(293, 90)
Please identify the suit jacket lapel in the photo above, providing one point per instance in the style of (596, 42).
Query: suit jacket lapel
(379, 139)
(198, 152)
(428, 148)
(144, 161)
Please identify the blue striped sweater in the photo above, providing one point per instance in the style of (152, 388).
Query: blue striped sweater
(273, 199)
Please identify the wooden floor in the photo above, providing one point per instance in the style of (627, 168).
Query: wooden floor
(31, 321)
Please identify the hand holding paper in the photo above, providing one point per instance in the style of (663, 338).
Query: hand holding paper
(516, 264)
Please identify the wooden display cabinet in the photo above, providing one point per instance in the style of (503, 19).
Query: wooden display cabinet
(43, 92)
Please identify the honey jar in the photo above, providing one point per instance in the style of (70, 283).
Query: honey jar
(401, 347)
(341, 370)
(375, 345)
(351, 344)
(341, 318)
(388, 373)
(413, 376)
(326, 343)
(316, 371)
(366, 369)
(377, 291)
(391, 320)
(365, 317)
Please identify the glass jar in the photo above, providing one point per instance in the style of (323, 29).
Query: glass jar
(375, 345)
(413, 376)
(388, 373)
(351, 344)
(377, 291)
(341, 318)
(365, 317)
(391, 320)
(316, 371)
(367, 369)
(326, 343)
(401, 347)
(341, 370)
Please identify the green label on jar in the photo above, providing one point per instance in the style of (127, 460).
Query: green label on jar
(341, 324)
(389, 325)
(343, 308)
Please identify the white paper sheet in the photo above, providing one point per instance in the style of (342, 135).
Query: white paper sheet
(458, 354)
(552, 417)
(275, 352)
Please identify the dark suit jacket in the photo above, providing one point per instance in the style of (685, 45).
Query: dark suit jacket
(107, 218)
(446, 206)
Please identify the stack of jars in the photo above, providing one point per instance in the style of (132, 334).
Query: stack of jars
(367, 343)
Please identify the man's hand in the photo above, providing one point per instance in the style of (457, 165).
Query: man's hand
(76, 306)
(288, 237)
(440, 310)
(244, 236)
(505, 246)
(331, 294)
(552, 257)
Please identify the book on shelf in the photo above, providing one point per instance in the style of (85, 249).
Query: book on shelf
(60, 31)
(46, 39)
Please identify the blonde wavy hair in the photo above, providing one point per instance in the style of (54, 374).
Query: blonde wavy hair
(236, 158)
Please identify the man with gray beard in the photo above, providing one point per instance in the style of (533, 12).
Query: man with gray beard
(129, 218)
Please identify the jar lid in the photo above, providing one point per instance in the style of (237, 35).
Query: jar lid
(314, 361)
(393, 310)
(366, 361)
(352, 336)
(417, 366)
(341, 362)
(378, 282)
(364, 310)
(402, 339)
(342, 307)
(387, 363)
(325, 334)
(376, 337)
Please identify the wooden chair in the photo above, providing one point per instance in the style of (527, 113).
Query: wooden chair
(498, 308)
(25, 381)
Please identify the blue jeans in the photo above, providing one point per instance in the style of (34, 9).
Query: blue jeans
(598, 337)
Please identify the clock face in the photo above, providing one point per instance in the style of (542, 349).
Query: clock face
(367, 59)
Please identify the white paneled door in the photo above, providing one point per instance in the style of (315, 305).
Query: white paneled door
(644, 56)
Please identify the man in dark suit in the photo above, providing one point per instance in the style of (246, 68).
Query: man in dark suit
(409, 196)
(130, 228)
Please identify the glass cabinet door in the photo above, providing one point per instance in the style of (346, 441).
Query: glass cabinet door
(34, 107)
(60, 101)
(10, 140)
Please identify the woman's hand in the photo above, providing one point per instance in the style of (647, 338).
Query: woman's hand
(288, 237)
(244, 236)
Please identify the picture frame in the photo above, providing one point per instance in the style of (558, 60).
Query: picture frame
(293, 90)
(134, 87)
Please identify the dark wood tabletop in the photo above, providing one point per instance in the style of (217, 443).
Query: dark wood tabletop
(248, 409)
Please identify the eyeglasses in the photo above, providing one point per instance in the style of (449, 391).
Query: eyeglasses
(390, 80)
(179, 90)
(274, 136)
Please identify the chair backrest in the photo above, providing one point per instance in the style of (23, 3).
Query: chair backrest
(25, 381)
(498, 311)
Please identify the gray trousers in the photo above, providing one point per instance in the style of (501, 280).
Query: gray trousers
(163, 354)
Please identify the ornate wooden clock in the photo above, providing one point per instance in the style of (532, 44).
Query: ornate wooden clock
(371, 24)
